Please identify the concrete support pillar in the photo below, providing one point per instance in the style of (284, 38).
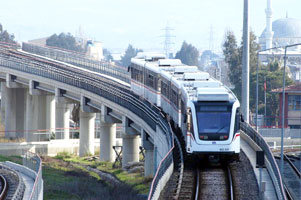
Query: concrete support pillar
(50, 114)
(62, 121)
(86, 136)
(149, 154)
(130, 151)
(149, 162)
(35, 117)
(3, 96)
(107, 141)
(14, 115)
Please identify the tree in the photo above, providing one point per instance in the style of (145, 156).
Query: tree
(65, 41)
(254, 47)
(233, 58)
(129, 54)
(107, 55)
(272, 73)
(5, 36)
(188, 54)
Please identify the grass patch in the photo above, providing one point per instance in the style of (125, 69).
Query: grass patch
(136, 180)
(64, 183)
(15, 159)
(65, 177)
(63, 155)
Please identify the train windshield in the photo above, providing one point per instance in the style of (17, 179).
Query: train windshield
(213, 121)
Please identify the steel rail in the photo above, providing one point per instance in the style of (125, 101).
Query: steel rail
(288, 193)
(197, 187)
(292, 165)
(4, 188)
(230, 183)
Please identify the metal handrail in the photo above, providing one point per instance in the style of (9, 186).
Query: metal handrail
(164, 163)
(80, 60)
(34, 162)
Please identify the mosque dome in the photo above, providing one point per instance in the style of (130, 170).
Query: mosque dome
(286, 28)
(286, 31)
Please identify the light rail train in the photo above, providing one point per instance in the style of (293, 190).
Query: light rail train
(202, 110)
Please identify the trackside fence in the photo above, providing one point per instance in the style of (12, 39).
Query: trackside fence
(34, 162)
(259, 140)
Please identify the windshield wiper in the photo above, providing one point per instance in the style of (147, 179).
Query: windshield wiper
(221, 129)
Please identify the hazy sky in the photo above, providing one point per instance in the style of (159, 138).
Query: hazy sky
(117, 23)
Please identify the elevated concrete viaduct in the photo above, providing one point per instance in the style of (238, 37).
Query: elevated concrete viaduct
(36, 103)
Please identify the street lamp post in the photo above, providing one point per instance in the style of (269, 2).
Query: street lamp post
(258, 53)
(283, 104)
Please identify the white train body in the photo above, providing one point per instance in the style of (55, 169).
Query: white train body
(205, 111)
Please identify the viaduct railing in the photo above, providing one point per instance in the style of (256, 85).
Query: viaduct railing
(104, 87)
(80, 60)
(261, 143)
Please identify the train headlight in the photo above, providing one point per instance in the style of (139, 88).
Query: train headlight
(223, 137)
(204, 137)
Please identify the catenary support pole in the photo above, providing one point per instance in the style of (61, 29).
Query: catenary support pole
(245, 67)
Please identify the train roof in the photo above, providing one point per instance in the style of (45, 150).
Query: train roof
(196, 84)
(155, 63)
(150, 56)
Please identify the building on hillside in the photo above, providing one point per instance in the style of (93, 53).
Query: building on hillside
(94, 50)
(293, 61)
(292, 108)
(216, 66)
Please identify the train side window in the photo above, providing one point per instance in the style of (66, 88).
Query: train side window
(174, 97)
(140, 76)
(182, 107)
(237, 121)
(150, 80)
(164, 88)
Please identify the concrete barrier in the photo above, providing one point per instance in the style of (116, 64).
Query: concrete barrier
(50, 148)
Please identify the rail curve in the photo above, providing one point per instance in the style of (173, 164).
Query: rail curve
(4, 187)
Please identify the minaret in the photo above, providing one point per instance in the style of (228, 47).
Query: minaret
(269, 33)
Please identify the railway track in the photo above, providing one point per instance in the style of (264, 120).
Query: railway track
(291, 176)
(207, 182)
(214, 183)
(295, 163)
(13, 186)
